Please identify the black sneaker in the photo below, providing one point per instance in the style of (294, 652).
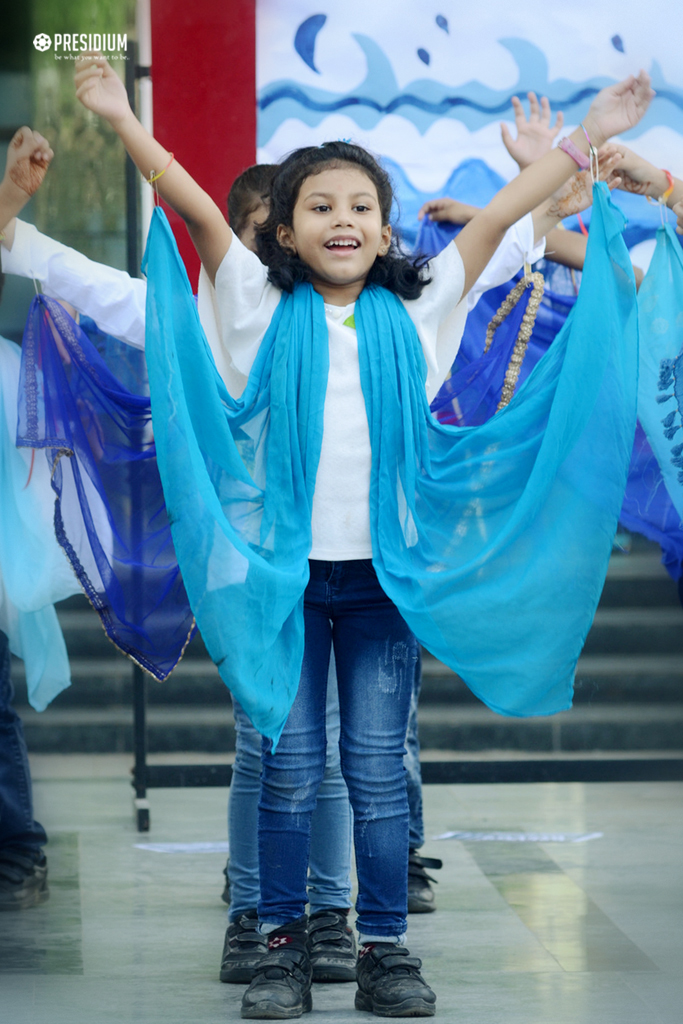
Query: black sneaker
(420, 895)
(331, 946)
(244, 946)
(281, 986)
(23, 879)
(390, 983)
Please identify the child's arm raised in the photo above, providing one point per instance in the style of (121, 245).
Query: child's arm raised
(450, 210)
(100, 89)
(576, 195)
(614, 110)
(642, 178)
(535, 135)
(28, 159)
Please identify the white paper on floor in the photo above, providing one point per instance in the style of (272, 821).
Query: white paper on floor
(222, 847)
(521, 837)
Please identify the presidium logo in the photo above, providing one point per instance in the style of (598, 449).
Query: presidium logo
(69, 45)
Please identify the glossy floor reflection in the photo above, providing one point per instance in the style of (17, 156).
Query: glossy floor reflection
(526, 933)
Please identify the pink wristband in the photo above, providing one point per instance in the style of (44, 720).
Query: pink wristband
(568, 147)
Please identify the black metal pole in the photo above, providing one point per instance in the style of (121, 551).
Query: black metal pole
(139, 680)
(132, 178)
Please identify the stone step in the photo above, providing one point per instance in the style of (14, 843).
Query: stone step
(629, 687)
(636, 631)
(442, 727)
(639, 580)
(624, 678)
(620, 631)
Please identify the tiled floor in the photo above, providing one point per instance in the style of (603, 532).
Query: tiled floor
(527, 932)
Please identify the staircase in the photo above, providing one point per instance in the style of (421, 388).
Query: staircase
(628, 701)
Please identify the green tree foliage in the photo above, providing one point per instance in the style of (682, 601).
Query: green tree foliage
(82, 201)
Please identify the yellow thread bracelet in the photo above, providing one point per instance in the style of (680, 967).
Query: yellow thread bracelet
(154, 176)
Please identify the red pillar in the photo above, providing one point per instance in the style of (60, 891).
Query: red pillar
(204, 90)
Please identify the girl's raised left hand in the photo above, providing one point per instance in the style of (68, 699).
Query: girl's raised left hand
(618, 108)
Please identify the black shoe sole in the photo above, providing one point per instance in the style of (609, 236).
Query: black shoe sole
(411, 1007)
(268, 1010)
(416, 905)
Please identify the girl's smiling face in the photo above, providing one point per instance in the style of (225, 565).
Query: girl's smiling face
(337, 231)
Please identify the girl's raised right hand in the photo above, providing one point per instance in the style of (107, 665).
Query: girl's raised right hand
(100, 89)
(447, 209)
(28, 159)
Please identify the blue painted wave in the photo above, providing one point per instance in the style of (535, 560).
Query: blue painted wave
(473, 181)
(424, 101)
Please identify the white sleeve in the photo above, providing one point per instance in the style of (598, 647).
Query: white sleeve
(439, 315)
(113, 299)
(440, 312)
(517, 245)
(237, 313)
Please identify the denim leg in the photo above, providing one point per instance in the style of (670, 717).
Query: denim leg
(17, 825)
(412, 763)
(290, 779)
(375, 652)
(329, 877)
(243, 816)
(329, 867)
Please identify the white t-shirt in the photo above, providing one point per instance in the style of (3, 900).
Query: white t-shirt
(235, 316)
(244, 302)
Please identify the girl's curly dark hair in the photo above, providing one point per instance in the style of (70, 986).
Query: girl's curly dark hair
(396, 271)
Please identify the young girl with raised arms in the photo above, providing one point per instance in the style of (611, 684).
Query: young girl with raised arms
(329, 229)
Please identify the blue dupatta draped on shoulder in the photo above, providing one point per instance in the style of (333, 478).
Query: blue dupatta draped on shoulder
(466, 522)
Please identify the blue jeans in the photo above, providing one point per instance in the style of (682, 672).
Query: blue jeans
(17, 826)
(329, 872)
(375, 654)
(412, 764)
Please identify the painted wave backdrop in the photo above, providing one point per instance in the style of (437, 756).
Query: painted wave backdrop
(294, 112)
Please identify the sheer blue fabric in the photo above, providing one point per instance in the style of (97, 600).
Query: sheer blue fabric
(648, 508)
(242, 547)
(466, 522)
(109, 514)
(471, 394)
(33, 570)
(660, 302)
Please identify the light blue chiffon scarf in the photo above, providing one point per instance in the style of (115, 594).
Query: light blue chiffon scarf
(493, 541)
(33, 570)
(660, 409)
